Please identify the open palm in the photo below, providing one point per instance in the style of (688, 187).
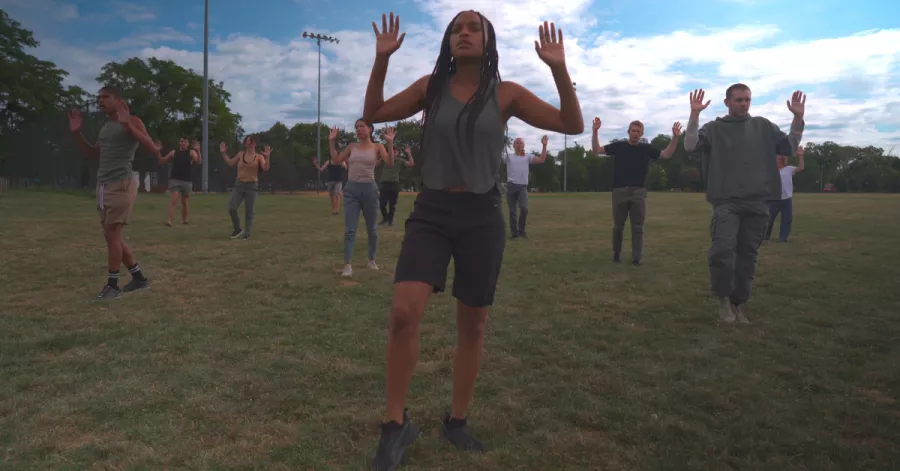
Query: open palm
(550, 45)
(697, 100)
(75, 121)
(123, 114)
(797, 103)
(267, 151)
(389, 39)
(333, 134)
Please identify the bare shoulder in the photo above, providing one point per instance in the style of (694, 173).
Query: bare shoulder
(137, 122)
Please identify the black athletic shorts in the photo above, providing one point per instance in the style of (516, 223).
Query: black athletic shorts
(468, 227)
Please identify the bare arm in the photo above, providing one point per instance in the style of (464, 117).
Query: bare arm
(673, 144)
(387, 152)
(338, 158)
(543, 157)
(230, 161)
(167, 158)
(595, 138)
(540, 114)
(398, 107)
(410, 163)
(195, 156)
(136, 128)
(800, 165)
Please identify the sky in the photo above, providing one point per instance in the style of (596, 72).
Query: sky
(630, 59)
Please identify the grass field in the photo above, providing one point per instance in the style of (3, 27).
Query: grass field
(257, 355)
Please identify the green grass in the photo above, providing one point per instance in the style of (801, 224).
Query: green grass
(257, 355)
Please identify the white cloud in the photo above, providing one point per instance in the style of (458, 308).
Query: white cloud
(166, 34)
(133, 12)
(619, 78)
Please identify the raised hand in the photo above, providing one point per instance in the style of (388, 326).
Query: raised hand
(334, 133)
(550, 45)
(387, 41)
(223, 147)
(676, 129)
(196, 146)
(389, 133)
(800, 152)
(697, 100)
(75, 120)
(408, 151)
(597, 123)
(267, 151)
(797, 104)
(123, 114)
(544, 141)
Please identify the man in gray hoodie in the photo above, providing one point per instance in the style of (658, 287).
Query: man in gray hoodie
(741, 173)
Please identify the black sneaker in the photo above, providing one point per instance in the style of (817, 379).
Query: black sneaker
(460, 436)
(637, 263)
(109, 292)
(136, 284)
(616, 258)
(246, 237)
(237, 233)
(395, 440)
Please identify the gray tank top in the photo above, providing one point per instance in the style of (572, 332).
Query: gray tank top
(117, 148)
(447, 161)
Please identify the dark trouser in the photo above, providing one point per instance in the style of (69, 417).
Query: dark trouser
(517, 200)
(737, 229)
(390, 192)
(630, 201)
(245, 192)
(465, 226)
(785, 207)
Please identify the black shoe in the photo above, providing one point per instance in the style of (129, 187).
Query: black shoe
(616, 258)
(523, 235)
(246, 237)
(637, 263)
(514, 235)
(383, 223)
(460, 436)
(136, 284)
(395, 440)
(109, 292)
(237, 233)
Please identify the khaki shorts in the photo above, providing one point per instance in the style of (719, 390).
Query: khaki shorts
(115, 200)
(181, 186)
(334, 188)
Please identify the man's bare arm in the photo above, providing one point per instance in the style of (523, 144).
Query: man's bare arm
(92, 151)
(673, 144)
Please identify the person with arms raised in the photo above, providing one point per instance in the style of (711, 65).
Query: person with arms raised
(785, 205)
(741, 173)
(631, 164)
(517, 173)
(180, 179)
(117, 185)
(250, 164)
(458, 213)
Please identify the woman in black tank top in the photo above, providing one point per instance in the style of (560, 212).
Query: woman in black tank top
(458, 214)
(181, 180)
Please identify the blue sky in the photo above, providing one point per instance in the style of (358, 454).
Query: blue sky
(632, 59)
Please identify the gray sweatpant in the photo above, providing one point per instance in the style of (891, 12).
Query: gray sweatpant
(360, 197)
(246, 192)
(629, 202)
(517, 200)
(737, 229)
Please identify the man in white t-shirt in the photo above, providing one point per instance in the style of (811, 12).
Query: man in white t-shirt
(784, 205)
(517, 167)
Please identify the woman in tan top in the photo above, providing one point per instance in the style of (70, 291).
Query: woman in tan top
(361, 192)
(249, 165)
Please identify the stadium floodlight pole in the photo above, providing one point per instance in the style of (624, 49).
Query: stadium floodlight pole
(319, 38)
(206, 98)
(566, 159)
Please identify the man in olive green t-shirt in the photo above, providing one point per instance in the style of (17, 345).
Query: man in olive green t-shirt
(390, 185)
(116, 183)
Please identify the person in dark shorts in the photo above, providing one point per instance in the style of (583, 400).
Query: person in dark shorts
(334, 182)
(180, 179)
(458, 213)
(631, 163)
(390, 186)
(117, 185)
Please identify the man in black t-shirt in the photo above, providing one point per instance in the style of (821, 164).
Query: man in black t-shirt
(334, 182)
(181, 178)
(631, 163)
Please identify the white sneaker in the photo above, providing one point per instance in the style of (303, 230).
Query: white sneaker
(372, 265)
(725, 311)
(348, 271)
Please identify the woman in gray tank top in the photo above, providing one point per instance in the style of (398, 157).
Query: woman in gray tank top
(458, 213)
(361, 192)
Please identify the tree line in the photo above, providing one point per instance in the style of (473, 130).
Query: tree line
(35, 142)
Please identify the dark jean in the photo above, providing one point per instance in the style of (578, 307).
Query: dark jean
(786, 208)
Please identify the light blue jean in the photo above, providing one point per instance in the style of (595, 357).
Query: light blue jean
(360, 196)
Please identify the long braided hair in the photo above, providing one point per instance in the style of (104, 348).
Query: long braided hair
(445, 67)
